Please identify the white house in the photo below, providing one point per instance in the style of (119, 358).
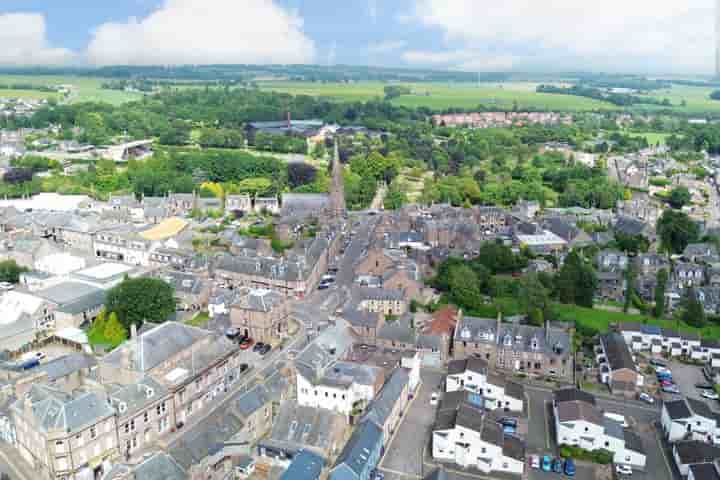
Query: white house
(580, 423)
(472, 375)
(469, 438)
(650, 338)
(705, 351)
(688, 418)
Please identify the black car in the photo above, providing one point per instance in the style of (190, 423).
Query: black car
(508, 421)
(264, 349)
(243, 367)
(258, 346)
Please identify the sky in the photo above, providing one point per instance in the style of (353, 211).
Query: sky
(629, 36)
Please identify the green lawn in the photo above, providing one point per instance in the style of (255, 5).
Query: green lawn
(88, 88)
(199, 320)
(445, 95)
(27, 94)
(653, 138)
(601, 319)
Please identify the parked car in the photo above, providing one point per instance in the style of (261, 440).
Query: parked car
(246, 343)
(546, 463)
(509, 421)
(264, 349)
(232, 333)
(534, 461)
(710, 394)
(662, 371)
(243, 367)
(623, 469)
(509, 429)
(666, 383)
(323, 286)
(671, 389)
(570, 467)
(704, 386)
(657, 363)
(645, 397)
(258, 346)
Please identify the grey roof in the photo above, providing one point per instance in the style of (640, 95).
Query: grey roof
(700, 249)
(678, 409)
(56, 410)
(166, 340)
(183, 282)
(704, 471)
(630, 226)
(248, 403)
(613, 428)
(160, 466)
(332, 344)
(399, 330)
(515, 390)
(344, 374)
(66, 365)
(513, 447)
(304, 466)
(303, 203)
(576, 410)
(573, 394)
(695, 451)
(369, 293)
(297, 427)
(136, 396)
(384, 403)
(205, 439)
(366, 438)
(633, 441)
(617, 352)
(473, 364)
(73, 297)
(700, 408)
(260, 300)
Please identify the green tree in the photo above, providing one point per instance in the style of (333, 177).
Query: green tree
(465, 288)
(679, 197)
(113, 330)
(576, 282)
(10, 271)
(137, 300)
(676, 231)
(693, 312)
(534, 298)
(629, 286)
(660, 286)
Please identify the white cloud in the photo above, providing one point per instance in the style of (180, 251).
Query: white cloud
(204, 32)
(387, 47)
(23, 42)
(651, 35)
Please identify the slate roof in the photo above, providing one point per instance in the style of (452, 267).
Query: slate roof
(678, 409)
(704, 471)
(700, 408)
(297, 427)
(384, 403)
(160, 466)
(630, 226)
(695, 451)
(248, 403)
(65, 365)
(617, 352)
(205, 439)
(473, 364)
(573, 394)
(633, 441)
(73, 297)
(366, 437)
(515, 390)
(513, 447)
(304, 466)
(136, 396)
(575, 410)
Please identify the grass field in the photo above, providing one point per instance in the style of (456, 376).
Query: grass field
(87, 88)
(652, 137)
(446, 95)
(502, 95)
(27, 94)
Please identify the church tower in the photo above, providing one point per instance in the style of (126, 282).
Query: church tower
(337, 187)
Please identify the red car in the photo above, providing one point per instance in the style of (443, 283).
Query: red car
(666, 383)
(245, 344)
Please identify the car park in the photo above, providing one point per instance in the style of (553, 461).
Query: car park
(534, 461)
(546, 463)
(569, 467)
(623, 469)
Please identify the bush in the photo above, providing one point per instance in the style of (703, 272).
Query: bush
(602, 457)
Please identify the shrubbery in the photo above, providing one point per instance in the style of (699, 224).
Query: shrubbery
(602, 457)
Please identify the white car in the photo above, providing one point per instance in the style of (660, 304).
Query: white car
(623, 469)
(662, 370)
(710, 394)
(535, 461)
(646, 398)
(434, 398)
(618, 418)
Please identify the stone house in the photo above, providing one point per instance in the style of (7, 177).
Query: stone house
(261, 314)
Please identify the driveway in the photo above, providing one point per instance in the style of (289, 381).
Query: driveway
(404, 455)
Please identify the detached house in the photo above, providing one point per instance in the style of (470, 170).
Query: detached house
(689, 419)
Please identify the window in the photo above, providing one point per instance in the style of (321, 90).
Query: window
(132, 425)
(93, 433)
(607, 444)
(126, 427)
(334, 395)
(587, 429)
(146, 417)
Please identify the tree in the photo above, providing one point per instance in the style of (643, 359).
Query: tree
(137, 300)
(300, 173)
(679, 197)
(660, 285)
(629, 286)
(576, 281)
(113, 330)
(534, 298)
(676, 231)
(693, 312)
(464, 288)
(10, 271)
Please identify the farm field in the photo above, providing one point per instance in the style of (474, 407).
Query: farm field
(653, 138)
(446, 95)
(697, 99)
(27, 94)
(88, 88)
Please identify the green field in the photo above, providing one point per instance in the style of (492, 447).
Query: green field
(87, 88)
(27, 94)
(446, 95)
(653, 138)
(503, 95)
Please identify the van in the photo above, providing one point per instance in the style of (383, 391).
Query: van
(618, 418)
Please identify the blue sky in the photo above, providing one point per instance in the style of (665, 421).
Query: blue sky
(663, 36)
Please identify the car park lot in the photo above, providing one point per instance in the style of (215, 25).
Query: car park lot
(686, 377)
